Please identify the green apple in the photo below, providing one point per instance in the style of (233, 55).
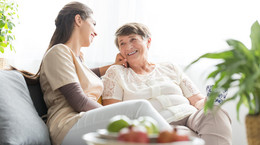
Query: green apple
(150, 124)
(118, 122)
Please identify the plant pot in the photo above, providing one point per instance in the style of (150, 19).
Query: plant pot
(253, 129)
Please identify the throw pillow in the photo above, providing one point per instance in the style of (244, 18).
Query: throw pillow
(19, 121)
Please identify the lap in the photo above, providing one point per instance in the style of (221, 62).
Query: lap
(99, 118)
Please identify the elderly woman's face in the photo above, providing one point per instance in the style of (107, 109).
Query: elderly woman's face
(133, 47)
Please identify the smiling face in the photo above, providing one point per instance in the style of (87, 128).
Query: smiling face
(134, 48)
(87, 31)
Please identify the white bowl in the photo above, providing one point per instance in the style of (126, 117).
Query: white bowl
(94, 138)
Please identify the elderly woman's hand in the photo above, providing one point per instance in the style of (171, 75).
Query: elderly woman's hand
(120, 60)
(197, 101)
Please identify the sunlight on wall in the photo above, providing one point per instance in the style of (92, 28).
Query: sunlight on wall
(181, 31)
(186, 29)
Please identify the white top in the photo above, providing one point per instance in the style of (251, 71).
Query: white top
(166, 88)
(61, 67)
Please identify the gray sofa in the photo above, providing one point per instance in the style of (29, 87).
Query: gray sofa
(21, 110)
(21, 106)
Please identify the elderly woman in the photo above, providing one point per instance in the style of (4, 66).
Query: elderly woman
(164, 85)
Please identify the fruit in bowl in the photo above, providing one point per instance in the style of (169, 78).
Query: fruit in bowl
(150, 124)
(171, 136)
(142, 130)
(118, 122)
(135, 134)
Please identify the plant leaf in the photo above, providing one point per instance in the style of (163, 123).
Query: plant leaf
(220, 55)
(255, 37)
(2, 49)
(2, 23)
(3, 44)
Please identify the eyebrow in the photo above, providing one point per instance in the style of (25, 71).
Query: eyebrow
(120, 40)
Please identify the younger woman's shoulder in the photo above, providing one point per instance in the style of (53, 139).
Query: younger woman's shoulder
(58, 52)
(59, 48)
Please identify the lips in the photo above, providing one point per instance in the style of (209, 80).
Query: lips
(132, 53)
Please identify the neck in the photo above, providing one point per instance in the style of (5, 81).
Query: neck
(74, 46)
(142, 68)
(74, 43)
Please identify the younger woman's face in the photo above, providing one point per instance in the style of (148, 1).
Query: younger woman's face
(87, 31)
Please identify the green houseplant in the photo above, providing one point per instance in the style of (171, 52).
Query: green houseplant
(8, 17)
(239, 68)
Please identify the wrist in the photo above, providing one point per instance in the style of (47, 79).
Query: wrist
(200, 104)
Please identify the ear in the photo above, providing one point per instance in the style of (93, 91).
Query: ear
(78, 20)
(149, 42)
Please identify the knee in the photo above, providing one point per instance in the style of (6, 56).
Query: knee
(220, 115)
(219, 120)
(143, 102)
(137, 103)
(217, 123)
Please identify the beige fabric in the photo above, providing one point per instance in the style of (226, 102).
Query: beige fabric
(60, 67)
(214, 127)
(166, 88)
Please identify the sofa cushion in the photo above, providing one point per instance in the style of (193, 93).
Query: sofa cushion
(19, 121)
(37, 98)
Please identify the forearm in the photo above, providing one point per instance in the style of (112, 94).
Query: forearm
(120, 60)
(100, 71)
(77, 98)
(103, 69)
(96, 71)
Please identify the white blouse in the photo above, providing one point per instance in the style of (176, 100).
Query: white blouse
(166, 88)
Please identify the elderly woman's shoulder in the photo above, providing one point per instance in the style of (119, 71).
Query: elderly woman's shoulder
(115, 68)
(169, 66)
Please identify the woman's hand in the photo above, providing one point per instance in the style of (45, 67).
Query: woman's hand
(197, 101)
(120, 60)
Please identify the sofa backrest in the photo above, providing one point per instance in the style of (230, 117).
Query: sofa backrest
(37, 98)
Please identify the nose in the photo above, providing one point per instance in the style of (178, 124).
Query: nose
(129, 45)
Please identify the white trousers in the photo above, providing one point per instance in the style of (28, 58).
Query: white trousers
(99, 119)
